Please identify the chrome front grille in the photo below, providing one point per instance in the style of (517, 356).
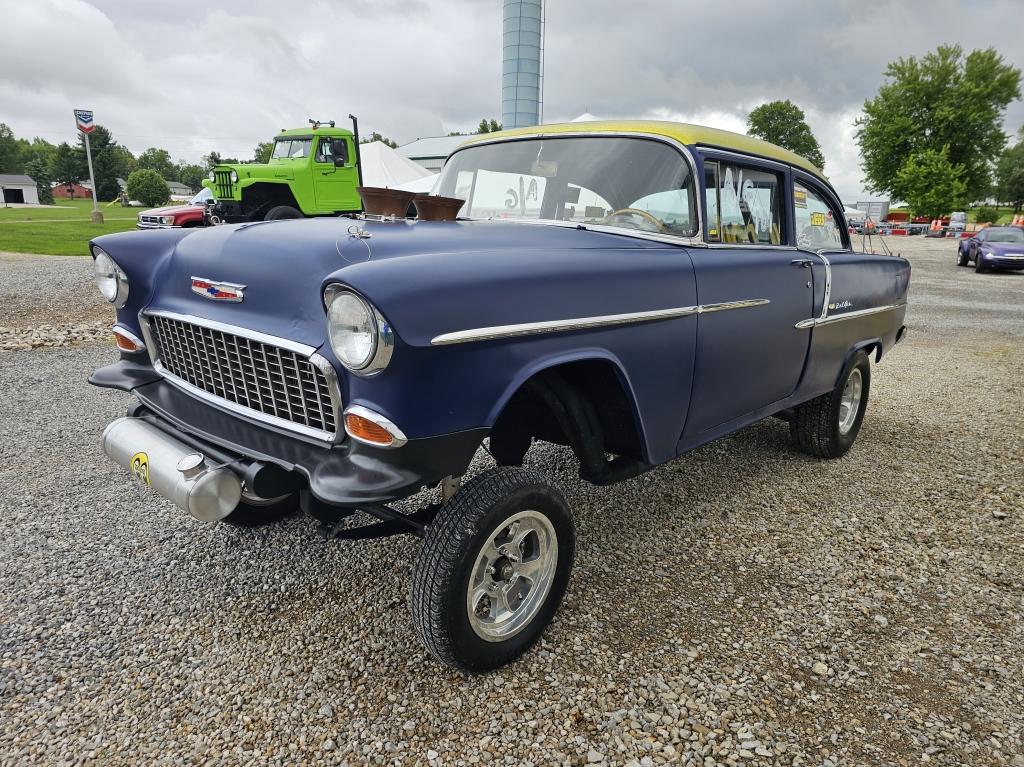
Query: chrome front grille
(271, 380)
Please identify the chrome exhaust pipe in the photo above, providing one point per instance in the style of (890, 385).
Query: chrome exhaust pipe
(173, 469)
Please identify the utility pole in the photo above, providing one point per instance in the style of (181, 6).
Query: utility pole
(83, 119)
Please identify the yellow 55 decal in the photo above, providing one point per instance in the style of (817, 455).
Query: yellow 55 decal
(140, 468)
(817, 219)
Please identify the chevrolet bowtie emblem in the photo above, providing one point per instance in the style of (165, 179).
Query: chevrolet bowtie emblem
(218, 291)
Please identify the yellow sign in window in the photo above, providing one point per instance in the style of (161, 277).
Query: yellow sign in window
(817, 219)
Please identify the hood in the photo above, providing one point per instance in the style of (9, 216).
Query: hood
(284, 265)
(170, 210)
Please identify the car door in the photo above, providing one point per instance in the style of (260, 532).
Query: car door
(334, 183)
(975, 244)
(751, 293)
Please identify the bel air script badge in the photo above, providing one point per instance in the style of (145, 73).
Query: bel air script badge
(218, 291)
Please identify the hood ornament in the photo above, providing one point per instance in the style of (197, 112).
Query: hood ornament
(218, 291)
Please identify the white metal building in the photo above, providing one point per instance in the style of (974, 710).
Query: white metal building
(18, 189)
(431, 152)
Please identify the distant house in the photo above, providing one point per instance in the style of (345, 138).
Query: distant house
(179, 191)
(80, 190)
(431, 152)
(18, 189)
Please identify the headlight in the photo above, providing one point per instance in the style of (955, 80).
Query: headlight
(234, 176)
(211, 176)
(110, 279)
(166, 219)
(361, 338)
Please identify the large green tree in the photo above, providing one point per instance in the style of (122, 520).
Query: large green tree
(488, 126)
(10, 151)
(784, 123)
(931, 184)
(38, 171)
(191, 175)
(944, 99)
(262, 151)
(110, 161)
(1010, 175)
(148, 187)
(64, 167)
(158, 160)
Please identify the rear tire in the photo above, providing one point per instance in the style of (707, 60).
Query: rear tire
(281, 212)
(961, 257)
(493, 569)
(258, 512)
(827, 426)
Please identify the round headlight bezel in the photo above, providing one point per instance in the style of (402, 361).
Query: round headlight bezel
(383, 338)
(107, 273)
(234, 176)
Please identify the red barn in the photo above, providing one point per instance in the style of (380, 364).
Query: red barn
(80, 192)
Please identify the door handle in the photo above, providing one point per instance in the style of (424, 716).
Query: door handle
(803, 263)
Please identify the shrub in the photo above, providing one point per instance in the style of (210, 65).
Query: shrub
(986, 215)
(148, 187)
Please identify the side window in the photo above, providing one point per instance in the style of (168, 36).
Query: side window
(711, 200)
(749, 205)
(817, 224)
(324, 151)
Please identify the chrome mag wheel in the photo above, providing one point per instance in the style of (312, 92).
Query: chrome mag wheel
(512, 576)
(849, 403)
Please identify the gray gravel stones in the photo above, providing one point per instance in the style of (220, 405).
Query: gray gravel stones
(708, 595)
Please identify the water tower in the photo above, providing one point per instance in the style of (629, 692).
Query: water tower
(522, 64)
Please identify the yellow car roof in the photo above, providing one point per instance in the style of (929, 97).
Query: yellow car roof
(684, 133)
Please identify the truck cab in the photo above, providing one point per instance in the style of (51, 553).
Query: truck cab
(312, 171)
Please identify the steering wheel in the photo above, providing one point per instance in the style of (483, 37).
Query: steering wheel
(636, 212)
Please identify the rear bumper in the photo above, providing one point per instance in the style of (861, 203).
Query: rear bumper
(349, 474)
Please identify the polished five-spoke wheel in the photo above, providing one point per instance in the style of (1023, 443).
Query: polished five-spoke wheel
(827, 426)
(493, 568)
(849, 401)
(512, 576)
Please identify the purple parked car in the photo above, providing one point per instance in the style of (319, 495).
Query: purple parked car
(998, 247)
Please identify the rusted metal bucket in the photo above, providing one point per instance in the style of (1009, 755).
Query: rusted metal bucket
(381, 201)
(431, 207)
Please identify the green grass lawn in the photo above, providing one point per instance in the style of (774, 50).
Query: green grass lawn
(60, 231)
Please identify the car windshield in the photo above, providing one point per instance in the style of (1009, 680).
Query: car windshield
(629, 183)
(201, 197)
(1005, 235)
(291, 148)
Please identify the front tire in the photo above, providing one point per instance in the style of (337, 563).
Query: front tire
(827, 426)
(961, 257)
(281, 212)
(979, 267)
(493, 569)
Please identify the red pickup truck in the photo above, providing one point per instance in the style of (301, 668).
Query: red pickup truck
(177, 216)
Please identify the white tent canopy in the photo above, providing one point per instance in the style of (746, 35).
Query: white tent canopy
(383, 166)
(423, 185)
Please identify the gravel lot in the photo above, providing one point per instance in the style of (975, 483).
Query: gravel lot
(742, 605)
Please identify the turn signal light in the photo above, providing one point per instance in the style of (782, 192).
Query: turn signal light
(365, 429)
(125, 344)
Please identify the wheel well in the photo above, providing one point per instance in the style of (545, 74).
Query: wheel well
(257, 199)
(582, 404)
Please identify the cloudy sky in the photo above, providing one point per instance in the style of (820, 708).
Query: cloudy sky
(192, 76)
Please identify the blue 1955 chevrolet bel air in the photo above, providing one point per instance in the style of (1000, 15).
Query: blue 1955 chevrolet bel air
(632, 290)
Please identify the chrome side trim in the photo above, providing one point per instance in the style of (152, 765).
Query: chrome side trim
(585, 323)
(398, 437)
(284, 343)
(816, 322)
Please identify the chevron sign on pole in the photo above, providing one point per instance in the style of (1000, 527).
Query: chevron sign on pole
(83, 118)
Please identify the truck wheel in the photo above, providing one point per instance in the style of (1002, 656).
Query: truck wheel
(493, 569)
(827, 426)
(280, 212)
(253, 511)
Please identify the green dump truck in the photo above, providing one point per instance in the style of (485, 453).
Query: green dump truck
(312, 171)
